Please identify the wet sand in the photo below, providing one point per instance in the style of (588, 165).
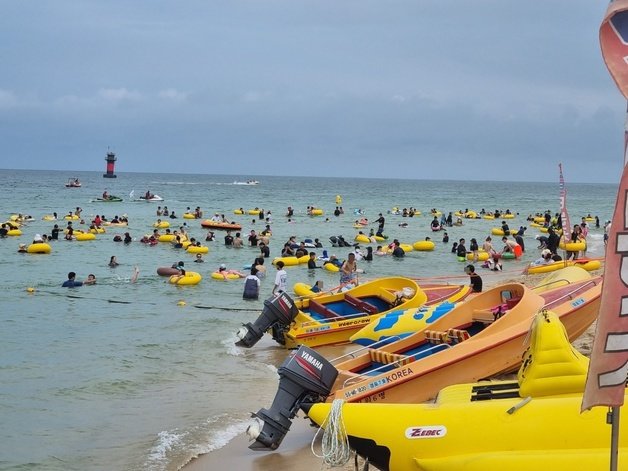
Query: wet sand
(295, 453)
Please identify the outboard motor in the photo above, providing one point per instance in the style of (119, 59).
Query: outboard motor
(277, 314)
(304, 377)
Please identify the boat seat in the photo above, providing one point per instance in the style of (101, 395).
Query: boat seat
(324, 311)
(458, 335)
(436, 337)
(361, 305)
(485, 316)
(387, 358)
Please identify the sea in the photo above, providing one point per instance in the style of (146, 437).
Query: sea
(144, 375)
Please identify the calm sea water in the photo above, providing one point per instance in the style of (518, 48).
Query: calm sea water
(119, 376)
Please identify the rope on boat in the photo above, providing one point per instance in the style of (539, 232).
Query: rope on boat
(334, 444)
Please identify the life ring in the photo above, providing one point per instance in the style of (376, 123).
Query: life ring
(161, 225)
(482, 256)
(82, 236)
(287, 261)
(316, 212)
(253, 212)
(197, 249)
(535, 224)
(303, 259)
(508, 256)
(589, 219)
(189, 216)
(331, 267)
(498, 231)
(49, 217)
(488, 216)
(539, 219)
(229, 276)
(74, 217)
(381, 238)
(167, 271)
(508, 216)
(573, 246)
(98, 230)
(238, 211)
(406, 247)
(424, 245)
(14, 232)
(190, 278)
(362, 238)
(166, 238)
(436, 213)
(39, 247)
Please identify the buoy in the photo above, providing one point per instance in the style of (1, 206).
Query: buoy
(181, 303)
(30, 289)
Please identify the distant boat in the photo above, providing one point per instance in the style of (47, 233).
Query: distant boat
(108, 199)
(248, 182)
(73, 183)
(151, 198)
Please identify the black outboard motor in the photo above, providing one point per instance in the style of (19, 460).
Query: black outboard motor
(277, 314)
(304, 377)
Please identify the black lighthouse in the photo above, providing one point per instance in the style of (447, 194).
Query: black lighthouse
(111, 161)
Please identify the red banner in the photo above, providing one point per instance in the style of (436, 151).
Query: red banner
(606, 380)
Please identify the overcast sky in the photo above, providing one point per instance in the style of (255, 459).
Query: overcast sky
(481, 90)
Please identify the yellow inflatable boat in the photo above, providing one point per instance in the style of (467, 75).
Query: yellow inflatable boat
(531, 423)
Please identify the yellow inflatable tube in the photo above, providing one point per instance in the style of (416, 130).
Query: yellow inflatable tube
(331, 267)
(573, 246)
(161, 225)
(508, 216)
(190, 278)
(189, 216)
(82, 236)
(316, 212)
(498, 231)
(98, 230)
(362, 238)
(287, 261)
(166, 238)
(482, 256)
(197, 249)
(406, 247)
(238, 211)
(74, 217)
(49, 217)
(424, 245)
(39, 247)
(253, 212)
(14, 232)
(220, 277)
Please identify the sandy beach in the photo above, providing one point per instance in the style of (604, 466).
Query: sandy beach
(295, 452)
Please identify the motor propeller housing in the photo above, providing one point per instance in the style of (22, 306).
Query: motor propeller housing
(278, 313)
(304, 377)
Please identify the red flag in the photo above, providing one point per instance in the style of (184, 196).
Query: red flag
(606, 380)
(608, 369)
(564, 217)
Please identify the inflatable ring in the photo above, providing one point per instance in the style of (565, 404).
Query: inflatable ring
(535, 224)
(74, 217)
(381, 238)
(304, 290)
(573, 246)
(498, 231)
(190, 278)
(362, 238)
(81, 236)
(539, 219)
(161, 225)
(589, 219)
(423, 245)
(488, 216)
(253, 212)
(166, 238)
(98, 230)
(287, 261)
(303, 259)
(14, 232)
(197, 249)
(49, 217)
(189, 216)
(482, 256)
(39, 247)
(508, 256)
(229, 276)
(508, 216)
(238, 211)
(167, 271)
(316, 212)
(331, 267)
(406, 247)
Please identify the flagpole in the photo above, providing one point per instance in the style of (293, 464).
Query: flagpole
(613, 417)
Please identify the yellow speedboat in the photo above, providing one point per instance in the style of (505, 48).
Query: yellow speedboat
(333, 318)
(532, 423)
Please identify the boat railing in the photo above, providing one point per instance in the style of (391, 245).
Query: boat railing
(571, 294)
(553, 282)
(353, 353)
(395, 364)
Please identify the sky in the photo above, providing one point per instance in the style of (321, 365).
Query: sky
(421, 89)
